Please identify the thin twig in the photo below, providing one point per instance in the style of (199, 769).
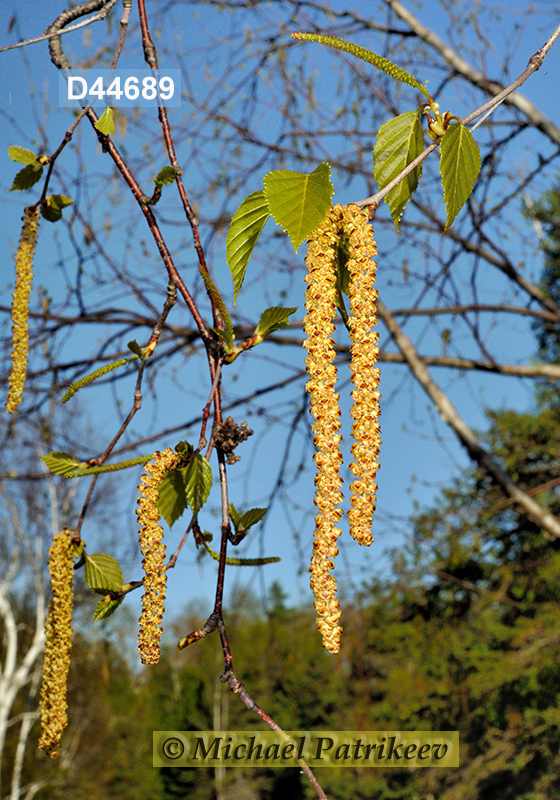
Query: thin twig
(97, 18)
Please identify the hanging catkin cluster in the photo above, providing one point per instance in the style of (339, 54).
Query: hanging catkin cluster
(20, 307)
(153, 550)
(58, 644)
(320, 305)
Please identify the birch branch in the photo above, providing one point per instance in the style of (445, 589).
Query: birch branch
(541, 516)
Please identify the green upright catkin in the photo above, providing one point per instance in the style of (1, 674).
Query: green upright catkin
(20, 307)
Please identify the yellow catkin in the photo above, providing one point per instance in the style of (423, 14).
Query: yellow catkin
(324, 406)
(20, 307)
(365, 376)
(153, 550)
(58, 644)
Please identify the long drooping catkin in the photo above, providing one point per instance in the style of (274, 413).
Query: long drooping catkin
(20, 307)
(153, 550)
(320, 304)
(318, 326)
(58, 644)
(365, 376)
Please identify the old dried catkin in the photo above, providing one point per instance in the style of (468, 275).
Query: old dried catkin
(365, 376)
(20, 307)
(58, 644)
(324, 406)
(153, 550)
(320, 305)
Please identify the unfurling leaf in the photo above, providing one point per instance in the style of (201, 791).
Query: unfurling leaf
(52, 211)
(244, 230)
(459, 167)
(106, 607)
(399, 141)
(135, 348)
(250, 518)
(21, 155)
(106, 122)
(102, 573)
(379, 62)
(298, 201)
(226, 335)
(165, 176)
(62, 463)
(273, 319)
(180, 488)
(26, 178)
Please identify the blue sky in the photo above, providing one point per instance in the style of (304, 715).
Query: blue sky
(419, 453)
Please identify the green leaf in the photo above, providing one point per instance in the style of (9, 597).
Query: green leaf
(250, 518)
(106, 607)
(135, 348)
(459, 166)
(26, 178)
(379, 62)
(299, 202)
(52, 211)
(273, 319)
(399, 141)
(180, 488)
(61, 463)
(106, 123)
(234, 515)
(198, 482)
(244, 230)
(102, 573)
(172, 501)
(165, 176)
(21, 155)
(213, 292)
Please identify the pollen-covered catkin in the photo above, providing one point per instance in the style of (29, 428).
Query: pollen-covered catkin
(20, 307)
(58, 644)
(365, 376)
(324, 406)
(153, 550)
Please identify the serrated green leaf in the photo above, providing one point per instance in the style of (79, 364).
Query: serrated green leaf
(135, 348)
(26, 178)
(251, 518)
(399, 141)
(106, 607)
(61, 463)
(244, 230)
(234, 515)
(298, 201)
(21, 155)
(273, 319)
(198, 482)
(379, 62)
(180, 488)
(55, 203)
(106, 123)
(459, 166)
(172, 501)
(103, 573)
(165, 176)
